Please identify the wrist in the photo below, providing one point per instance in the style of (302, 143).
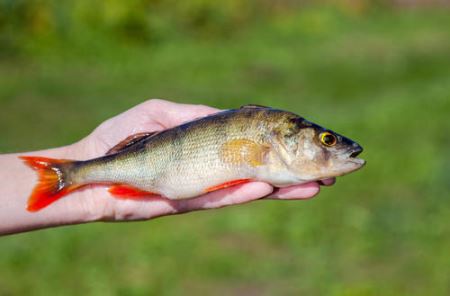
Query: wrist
(18, 182)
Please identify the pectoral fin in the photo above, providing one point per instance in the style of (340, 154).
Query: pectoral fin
(243, 151)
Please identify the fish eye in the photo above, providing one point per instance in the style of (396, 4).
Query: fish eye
(328, 139)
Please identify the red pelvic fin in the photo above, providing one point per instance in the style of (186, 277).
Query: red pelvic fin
(52, 184)
(128, 192)
(227, 184)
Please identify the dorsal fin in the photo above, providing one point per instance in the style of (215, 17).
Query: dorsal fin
(130, 141)
(251, 106)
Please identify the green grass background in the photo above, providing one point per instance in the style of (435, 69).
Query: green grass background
(381, 78)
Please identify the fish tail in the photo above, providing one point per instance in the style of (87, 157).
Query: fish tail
(54, 181)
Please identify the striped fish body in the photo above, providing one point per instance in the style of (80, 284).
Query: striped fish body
(204, 155)
(190, 159)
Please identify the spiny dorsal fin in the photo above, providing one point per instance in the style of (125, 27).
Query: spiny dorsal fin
(253, 106)
(130, 141)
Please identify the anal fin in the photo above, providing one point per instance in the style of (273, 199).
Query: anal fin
(128, 192)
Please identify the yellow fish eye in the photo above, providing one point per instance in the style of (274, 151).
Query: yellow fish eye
(328, 139)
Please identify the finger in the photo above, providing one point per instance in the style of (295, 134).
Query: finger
(328, 182)
(230, 196)
(152, 115)
(303, 191)
(115, 209)
(183, 113)
(170, 114)
(141, 209)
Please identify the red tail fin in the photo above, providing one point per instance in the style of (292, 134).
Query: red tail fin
(52, 184)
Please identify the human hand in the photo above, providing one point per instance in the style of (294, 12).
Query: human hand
(95, 203)
(155, 115)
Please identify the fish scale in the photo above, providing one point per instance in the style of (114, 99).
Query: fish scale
(204, 155)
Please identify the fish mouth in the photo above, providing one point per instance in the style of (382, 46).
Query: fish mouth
(352, 156)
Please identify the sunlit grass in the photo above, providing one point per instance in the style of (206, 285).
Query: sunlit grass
(383, 80)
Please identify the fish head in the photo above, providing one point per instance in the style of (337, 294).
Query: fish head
(312, 152)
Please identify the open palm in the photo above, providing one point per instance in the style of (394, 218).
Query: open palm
(156, 115)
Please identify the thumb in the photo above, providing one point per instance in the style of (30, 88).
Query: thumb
(226, 197)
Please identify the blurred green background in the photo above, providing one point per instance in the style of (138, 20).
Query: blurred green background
(376, 71)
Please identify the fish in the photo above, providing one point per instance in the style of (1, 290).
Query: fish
(251, 143)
